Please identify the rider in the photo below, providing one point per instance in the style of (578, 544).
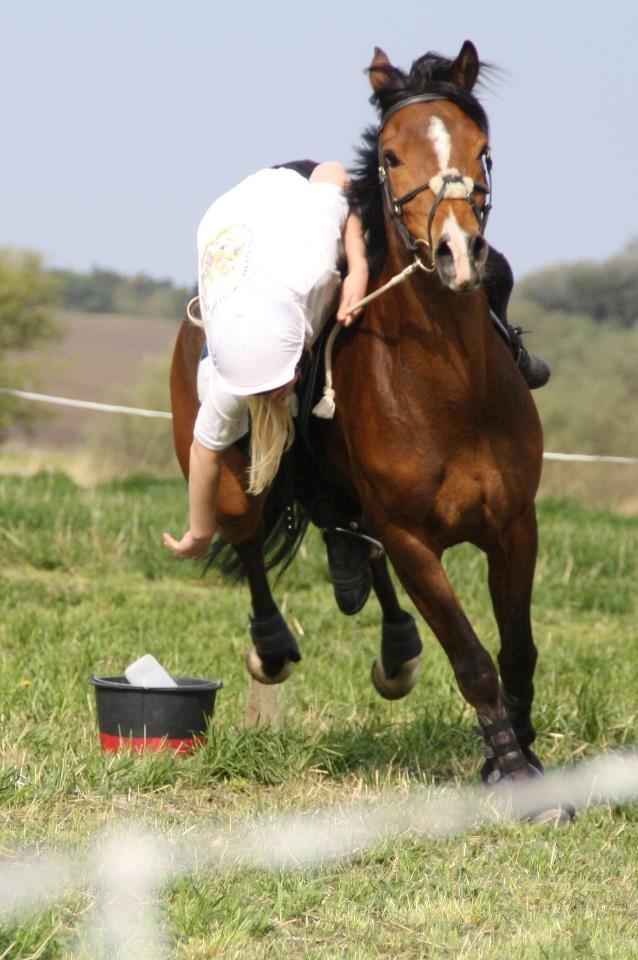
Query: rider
(268, 253)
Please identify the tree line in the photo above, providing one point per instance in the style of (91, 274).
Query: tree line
(31, 295)
(105, 291)
(606, 292)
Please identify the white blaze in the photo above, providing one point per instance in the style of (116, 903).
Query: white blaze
(440, 139)
(456, 237)
(457, 241)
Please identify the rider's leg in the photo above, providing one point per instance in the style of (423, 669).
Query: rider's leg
(348, 555)
(498, 284)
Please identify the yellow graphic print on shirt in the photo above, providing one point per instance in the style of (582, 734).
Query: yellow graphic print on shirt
(224, 263)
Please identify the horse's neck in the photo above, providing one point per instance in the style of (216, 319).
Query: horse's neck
(452, 325)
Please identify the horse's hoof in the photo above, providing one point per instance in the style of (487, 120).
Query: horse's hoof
(558, 815)
(491, 775)
(401, 684)
(258, 669)
(556, 812)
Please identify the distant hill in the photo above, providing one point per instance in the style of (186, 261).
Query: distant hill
(607, 292)
(590, 403)
(105, 291)
(589, 406)
(102, 357)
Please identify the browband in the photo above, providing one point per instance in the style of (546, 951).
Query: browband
(417, 98)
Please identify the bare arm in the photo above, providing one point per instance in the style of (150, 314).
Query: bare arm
(355, 284)
(203, 487)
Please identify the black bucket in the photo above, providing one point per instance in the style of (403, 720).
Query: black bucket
(154, 718)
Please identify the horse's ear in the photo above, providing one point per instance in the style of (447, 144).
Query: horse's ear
(378, 69)
(465, 69)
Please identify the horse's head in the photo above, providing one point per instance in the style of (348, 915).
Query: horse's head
(433, 162)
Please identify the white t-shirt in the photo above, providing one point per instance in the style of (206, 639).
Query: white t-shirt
(278, 235)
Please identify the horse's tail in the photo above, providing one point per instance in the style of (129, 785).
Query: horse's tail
(284, 524)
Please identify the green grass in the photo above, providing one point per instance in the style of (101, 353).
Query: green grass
(85, 587)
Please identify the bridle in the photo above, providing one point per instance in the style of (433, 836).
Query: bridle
(447, 184)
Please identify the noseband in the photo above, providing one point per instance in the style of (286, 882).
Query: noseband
(447, 184)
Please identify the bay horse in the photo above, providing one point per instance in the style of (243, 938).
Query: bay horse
(435, 428)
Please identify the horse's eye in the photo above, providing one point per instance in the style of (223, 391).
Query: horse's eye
(391, 158)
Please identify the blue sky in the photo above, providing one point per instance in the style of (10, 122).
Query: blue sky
(124, 120)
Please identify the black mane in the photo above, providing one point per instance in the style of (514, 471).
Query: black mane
(431, 73)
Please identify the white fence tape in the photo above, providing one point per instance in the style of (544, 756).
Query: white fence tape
(125, 870)
(86, 404)
(588, 458)
(164, 415)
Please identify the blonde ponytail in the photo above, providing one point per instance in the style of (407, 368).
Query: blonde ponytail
(272, 433)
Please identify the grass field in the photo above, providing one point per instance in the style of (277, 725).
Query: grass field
(85, 588)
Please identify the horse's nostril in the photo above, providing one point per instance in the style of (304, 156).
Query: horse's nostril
(444, 252)
(479, 249)
(444, 260)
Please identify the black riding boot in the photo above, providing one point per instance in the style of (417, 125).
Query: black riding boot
(329, 508)
(534, 369)
(498, 284)
(350, 571)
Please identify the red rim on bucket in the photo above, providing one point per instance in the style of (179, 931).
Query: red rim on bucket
(154, 718)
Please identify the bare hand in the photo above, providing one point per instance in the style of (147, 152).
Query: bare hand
(353, 289)
(189, 547)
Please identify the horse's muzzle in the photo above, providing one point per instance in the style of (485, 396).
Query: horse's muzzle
(461, 265)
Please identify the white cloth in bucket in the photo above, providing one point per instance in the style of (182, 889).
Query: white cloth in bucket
(148, 672)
